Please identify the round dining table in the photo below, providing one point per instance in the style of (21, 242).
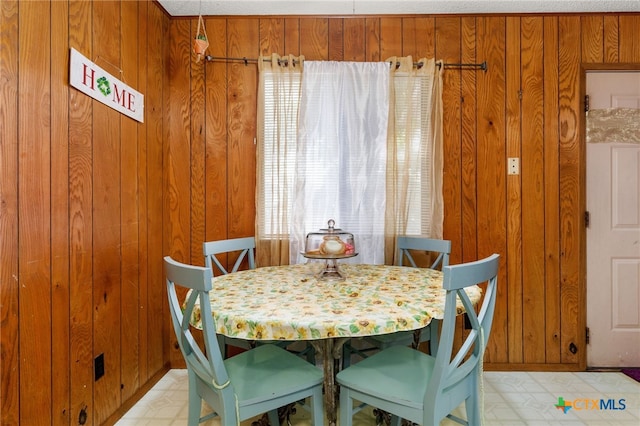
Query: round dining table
(293, 303)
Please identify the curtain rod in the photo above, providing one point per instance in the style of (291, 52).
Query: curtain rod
(482, 66)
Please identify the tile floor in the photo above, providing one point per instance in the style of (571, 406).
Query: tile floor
(510, 398)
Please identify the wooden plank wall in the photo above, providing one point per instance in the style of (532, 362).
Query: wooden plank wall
(90, 201)
(526, 105)
(81, 212)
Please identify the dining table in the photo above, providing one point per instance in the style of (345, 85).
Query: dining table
(294, 303)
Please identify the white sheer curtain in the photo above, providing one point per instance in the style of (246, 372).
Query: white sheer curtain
(342, 154)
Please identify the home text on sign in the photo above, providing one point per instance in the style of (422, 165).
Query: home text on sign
(92, 80)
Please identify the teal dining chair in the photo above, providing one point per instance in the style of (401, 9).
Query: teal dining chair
(235, 251)
(257, 381)
(423, 388)
(241, 252)
(244, 248)
(439, 250)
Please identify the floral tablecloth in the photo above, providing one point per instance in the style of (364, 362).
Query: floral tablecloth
(290, 303)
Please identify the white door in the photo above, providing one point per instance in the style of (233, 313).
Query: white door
(613, 235)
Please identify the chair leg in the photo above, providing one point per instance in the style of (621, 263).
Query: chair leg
(222, 345)
(274, 420)
(195, 402)
(348, 351)
(346, 408)
(416, 338)
(395, 420)
(346, 355)
(311, 355)
(316, 408)
(472, 407)
(434, 336)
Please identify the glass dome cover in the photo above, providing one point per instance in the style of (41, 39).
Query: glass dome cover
(330, 243)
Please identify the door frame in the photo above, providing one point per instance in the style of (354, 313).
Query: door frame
(584, 69)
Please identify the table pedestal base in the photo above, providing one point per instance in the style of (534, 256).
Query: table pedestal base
(331, 352)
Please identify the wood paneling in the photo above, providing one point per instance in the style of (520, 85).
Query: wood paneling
(571, 201)
(34, 228)
(448, 29)
(390, 37)
(336, 37)
(491, 177)
(314, 40)
(107, 226)
(130, 210)
(526, 105)
(243, 41)
(291, 37)
(10, 285)
(552, 192)
(91, 201)
(80, 188)
(154, 313)
(216, 136)
(468, 241)
(592, 43)
(354, 40)
(532, 178)
(81, 229)
(60, 291)
(372, 39)
(629, 38)
(610, 39)
(515, 55)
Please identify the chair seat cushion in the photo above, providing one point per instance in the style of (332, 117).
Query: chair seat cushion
(399, 374)
(267, 371)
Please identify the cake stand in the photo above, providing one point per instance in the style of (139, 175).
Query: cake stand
(331, 271)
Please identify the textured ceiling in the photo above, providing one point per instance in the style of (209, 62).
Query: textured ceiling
(385, 7)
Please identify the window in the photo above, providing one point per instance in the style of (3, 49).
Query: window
(406, 161)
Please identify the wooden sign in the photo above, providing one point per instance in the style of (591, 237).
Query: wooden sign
(92, 80)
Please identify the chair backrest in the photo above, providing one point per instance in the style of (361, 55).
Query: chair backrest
(245, 246)
(453, 371)
(206, 364)
(407, 244)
